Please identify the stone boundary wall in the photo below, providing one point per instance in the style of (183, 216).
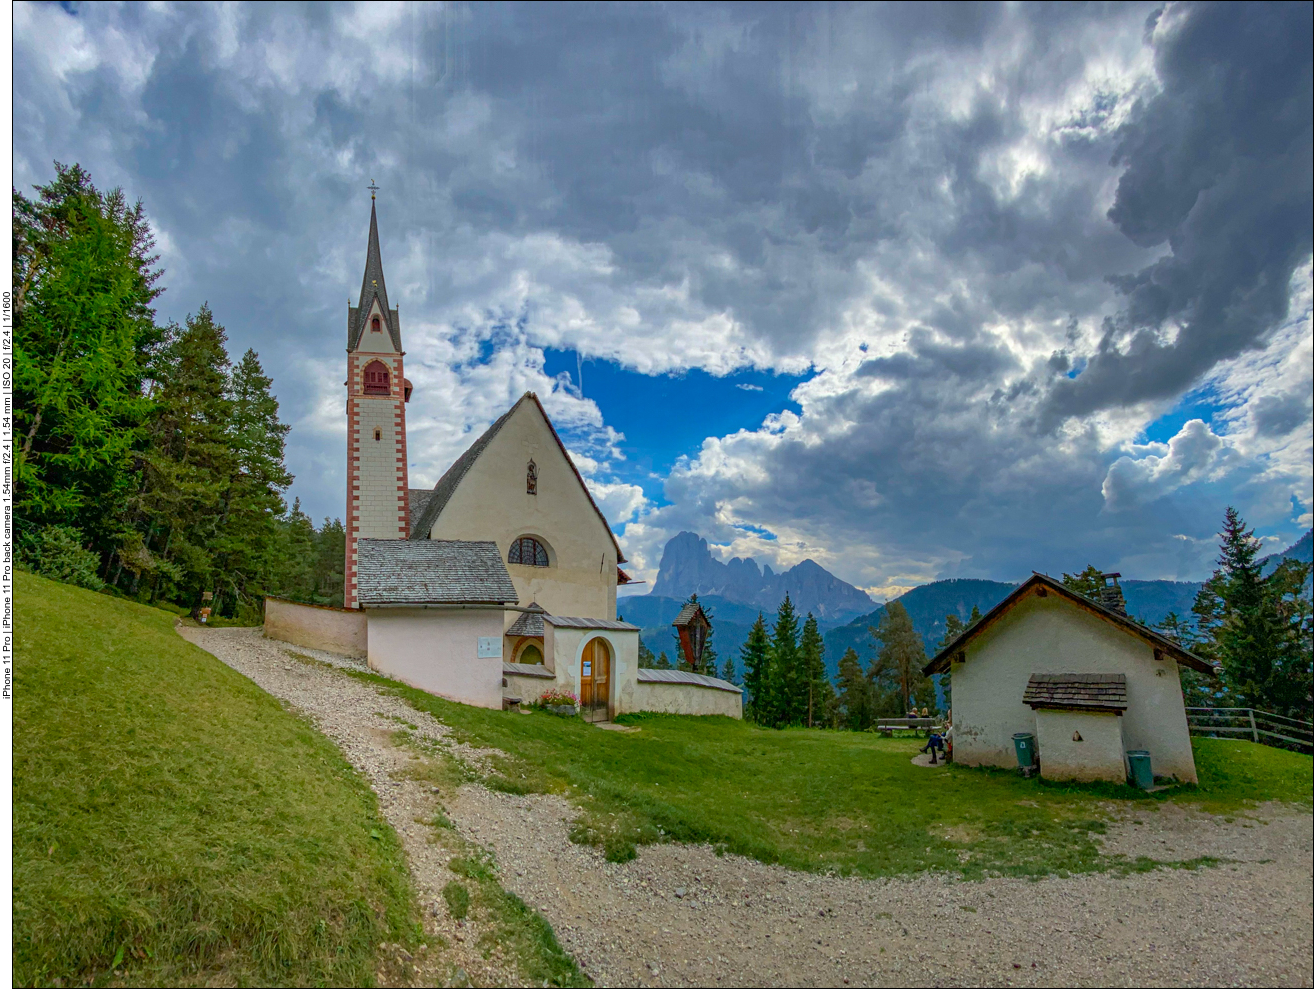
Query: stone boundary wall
(686, 698)
(315, 626)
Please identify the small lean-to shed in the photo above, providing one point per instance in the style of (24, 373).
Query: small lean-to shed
(1045, 642)
(1079, 724)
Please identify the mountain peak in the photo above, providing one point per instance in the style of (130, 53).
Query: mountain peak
(688, 567)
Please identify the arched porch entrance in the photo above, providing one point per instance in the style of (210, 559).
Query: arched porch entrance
(595, 681)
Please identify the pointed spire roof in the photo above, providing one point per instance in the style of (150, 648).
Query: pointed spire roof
(372, 286)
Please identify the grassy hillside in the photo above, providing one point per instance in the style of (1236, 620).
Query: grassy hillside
(173, 822)
(822, 800)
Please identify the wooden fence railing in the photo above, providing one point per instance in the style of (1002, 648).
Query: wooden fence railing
(1247, 722)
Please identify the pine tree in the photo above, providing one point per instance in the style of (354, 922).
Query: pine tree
(84, 331)
(1088, 583)
(755, 660)
(812, 654)
(662, 663)
(646, 658)
(854, 700)
(900, 657)
(785, 687)
(190, 462)
(728, 670)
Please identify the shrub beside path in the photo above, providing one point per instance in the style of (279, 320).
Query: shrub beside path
(679, 915)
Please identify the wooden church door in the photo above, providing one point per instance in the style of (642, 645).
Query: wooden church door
(595, 682)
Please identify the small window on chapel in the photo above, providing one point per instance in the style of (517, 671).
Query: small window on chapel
(376, 379)
(378, 433)
(528, 552)
(375, 325)
(531, 478)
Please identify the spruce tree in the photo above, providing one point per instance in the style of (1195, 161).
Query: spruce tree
(1088, 583)
(662, 663)
(812, 655)
(755, 661)
(854, 701)
(728, 670)
(646, 658)
(785, 688)
(84, 333)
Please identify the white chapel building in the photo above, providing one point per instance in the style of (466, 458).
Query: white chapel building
(496, 585)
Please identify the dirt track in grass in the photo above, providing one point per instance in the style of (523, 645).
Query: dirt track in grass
(679, 915)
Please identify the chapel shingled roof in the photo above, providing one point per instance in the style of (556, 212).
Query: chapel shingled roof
(1048, 585)
(1077, 691)
(432, 571)
(447, 484)
(530, 621)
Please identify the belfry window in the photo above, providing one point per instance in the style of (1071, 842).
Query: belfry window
(376, 379)
(375, 325)
(528, 552)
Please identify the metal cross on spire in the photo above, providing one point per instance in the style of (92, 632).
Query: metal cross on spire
(373, 188)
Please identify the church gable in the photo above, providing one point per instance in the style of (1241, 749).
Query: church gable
(517, 481)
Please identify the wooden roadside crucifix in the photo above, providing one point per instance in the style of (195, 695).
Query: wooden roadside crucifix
(693, 628)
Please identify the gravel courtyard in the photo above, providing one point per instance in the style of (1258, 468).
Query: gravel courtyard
(678, 915)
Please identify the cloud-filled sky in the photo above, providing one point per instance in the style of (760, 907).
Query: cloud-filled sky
(917, 291)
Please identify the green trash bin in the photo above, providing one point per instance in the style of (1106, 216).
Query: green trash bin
(1138, 760)
(1024, 743)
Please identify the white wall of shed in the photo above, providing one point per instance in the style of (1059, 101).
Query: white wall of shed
(1053, 635)
(1098, 755)
(438, 651)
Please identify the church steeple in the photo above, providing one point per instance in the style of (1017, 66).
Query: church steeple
(373, 301)
(378, 495)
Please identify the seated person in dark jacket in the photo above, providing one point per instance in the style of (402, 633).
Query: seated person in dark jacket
(933, 745)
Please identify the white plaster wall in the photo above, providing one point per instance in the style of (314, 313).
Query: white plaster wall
(1098, 756)
(315, 627)
(491, 503)
(528, 689)
(565, 647)
(1051, 635)
(438, 651)
(379, 502)
(686, 698)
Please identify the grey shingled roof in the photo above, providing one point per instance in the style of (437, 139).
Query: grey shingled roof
(447, 484)
(528, 670)
(529, 622)
(561, 621)
(435, 571)
(1083, 691)
(418, 498)
(372, 286)
(687, 613)
(680, 676)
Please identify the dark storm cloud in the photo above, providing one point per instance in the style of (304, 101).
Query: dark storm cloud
(1217, 166)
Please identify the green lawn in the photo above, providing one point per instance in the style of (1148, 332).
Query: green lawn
(173, 822)
(834, 801)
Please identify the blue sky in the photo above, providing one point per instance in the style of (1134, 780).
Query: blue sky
(916, 291)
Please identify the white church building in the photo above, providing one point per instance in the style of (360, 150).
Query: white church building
(499, 583)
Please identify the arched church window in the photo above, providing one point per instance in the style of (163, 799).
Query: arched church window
(531, 654)
(376, 379)
(375, 325)
(531, 478)
(528, 552)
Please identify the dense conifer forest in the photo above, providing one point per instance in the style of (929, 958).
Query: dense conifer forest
(149, 460)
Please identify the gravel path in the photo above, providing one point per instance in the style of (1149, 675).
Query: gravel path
(680, 916)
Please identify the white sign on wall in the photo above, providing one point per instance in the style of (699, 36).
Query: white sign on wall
(490, 647)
